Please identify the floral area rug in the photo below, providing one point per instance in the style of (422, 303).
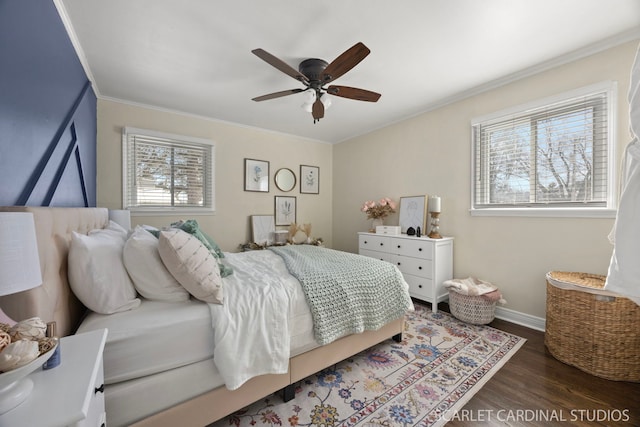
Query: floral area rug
(439, 365)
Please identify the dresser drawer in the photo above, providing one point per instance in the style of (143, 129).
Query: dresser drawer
(374, 243)
(413, 248)
(419, 287)
(414, 266)
(382, 256)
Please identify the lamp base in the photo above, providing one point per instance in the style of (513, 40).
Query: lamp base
(434, 235)
(14, 394)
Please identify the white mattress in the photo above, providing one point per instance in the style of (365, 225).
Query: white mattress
(131, 401)
(155, 337)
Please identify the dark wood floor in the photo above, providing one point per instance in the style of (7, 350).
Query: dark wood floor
(535, 389)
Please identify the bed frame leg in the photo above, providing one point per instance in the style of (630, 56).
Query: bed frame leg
(397, 337)
(288, 393)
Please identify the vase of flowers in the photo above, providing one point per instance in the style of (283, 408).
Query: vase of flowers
(378, 211)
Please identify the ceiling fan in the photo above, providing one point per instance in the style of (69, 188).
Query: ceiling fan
(315, 74)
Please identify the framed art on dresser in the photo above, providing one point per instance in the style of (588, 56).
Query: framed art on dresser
(413, 213)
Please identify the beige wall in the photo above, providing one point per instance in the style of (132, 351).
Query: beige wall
(430, 154)
(230, 224)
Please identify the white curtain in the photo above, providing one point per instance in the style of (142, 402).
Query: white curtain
(624, 270)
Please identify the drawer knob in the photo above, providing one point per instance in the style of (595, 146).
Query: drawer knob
(365, 242)
(419, 249)
(99, 389)
(381, 244)
(398, 263)
(398, 246)
(420, 268)
(420, 286)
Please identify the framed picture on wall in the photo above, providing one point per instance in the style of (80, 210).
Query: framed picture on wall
(309, 179)
(256, 175)
(263, 228)
(285, 210)
(413, 213)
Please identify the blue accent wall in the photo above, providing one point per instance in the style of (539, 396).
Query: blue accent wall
(47, 111)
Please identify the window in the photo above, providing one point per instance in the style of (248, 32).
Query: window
(552, 157)
(165, 173)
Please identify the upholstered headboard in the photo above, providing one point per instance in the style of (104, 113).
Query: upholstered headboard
(54, 300)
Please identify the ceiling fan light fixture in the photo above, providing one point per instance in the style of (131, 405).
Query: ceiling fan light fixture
(307, 106)
(309, 98)
(326, 100)
(315, 73)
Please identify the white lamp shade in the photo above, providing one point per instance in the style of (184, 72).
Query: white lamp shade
(326, 100)
(122, 217)
(434, 204)
(19, 260)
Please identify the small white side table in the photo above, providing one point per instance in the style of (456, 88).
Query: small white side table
(70, 394)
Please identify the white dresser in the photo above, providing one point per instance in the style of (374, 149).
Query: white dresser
(425, 263)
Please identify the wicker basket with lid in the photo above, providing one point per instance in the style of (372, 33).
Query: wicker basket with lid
(592, 329)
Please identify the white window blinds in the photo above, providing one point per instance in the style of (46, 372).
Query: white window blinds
(167, 172)
(555, 155)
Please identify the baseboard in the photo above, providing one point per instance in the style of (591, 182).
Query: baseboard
(523, 319)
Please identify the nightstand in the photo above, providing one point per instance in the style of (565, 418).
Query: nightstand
(70, 394)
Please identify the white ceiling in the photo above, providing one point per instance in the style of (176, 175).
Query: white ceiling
(194, 56)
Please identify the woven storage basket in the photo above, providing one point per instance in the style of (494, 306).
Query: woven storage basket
(597, 333)
(473, 309)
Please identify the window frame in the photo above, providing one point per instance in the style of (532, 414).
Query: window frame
(179, 141)
(532, 108)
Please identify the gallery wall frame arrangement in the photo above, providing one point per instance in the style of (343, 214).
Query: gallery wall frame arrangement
(413, 213)
(309, 179)
(256, 175)
(285, 210)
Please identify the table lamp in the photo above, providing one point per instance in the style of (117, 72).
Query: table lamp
(19, 271)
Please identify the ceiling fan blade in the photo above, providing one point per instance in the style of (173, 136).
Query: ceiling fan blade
(277, 94)
(280, 65)
(318, 110)
(353, 93)
(343, 63)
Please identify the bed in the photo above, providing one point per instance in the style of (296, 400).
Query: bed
(162, 361)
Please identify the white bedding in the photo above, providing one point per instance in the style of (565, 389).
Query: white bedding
(261, 299)
(160, 336)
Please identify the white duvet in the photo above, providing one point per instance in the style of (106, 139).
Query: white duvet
(251, 327)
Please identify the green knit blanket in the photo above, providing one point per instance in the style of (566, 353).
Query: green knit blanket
(347, 293)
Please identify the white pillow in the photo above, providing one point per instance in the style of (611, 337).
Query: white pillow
(114, 228)
(192, 264)
(97, 274)
(149, 275)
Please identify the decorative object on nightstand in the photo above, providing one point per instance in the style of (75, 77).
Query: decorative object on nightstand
(434, 210)
(19, 271)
